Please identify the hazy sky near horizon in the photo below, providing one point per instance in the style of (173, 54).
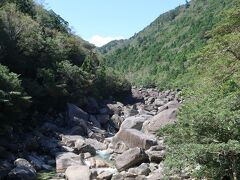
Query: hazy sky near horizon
(100, 21)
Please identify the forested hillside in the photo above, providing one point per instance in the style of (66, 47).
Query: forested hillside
(196, 48)
(160, 53)
(43, 64)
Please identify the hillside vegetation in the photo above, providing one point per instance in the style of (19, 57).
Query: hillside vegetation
(43, 64)
(194, 47)
(157, 55)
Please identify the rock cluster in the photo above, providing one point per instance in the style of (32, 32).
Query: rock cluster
(101, 140)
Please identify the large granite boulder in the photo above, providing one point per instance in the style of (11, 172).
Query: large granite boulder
(134, 138)
(79, 172)
(66, 159)
(143, 169)
(133, 122)
(23, 170)
(130, 158)
(165, 117)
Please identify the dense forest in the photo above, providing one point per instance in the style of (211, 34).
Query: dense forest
(191, 52)
(43, 64)
(196, 48)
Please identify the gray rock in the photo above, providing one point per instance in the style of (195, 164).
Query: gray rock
(133, 122)
(70, 140)
(117, 120)
(23, 170)
(130, 158)
(74, 111)
(130, 111)
(106, 175)
(96, 144)
(82, 147)
(143, 169)
(134, 138)
(78, 173)
(116, 108)
(79, 130)
(66, 159)
(168, 116)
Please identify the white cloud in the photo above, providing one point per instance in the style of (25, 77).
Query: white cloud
(100, 40)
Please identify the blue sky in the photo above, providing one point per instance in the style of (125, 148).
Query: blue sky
(100, 21)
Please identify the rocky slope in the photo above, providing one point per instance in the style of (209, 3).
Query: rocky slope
(106, 140)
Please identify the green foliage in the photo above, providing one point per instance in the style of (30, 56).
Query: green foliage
(13, 100)
(55, 66)
(207, 134)
(158, 54)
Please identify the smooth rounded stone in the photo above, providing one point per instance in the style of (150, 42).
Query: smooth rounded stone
(159, 102)
(156, 175)
(106, 175)
(96, 162)
(133, 122)
(37, 162)
(78, 173)
(153, 166)
(23, 170)
(96, 144)
(117, 120)
(66, 159)
(82, 147)
(120, 147)
(130, 111)
(124, 175)
(134, 138)
(67, 149)
(156, 153)
(74, 111)
(130, 158)
(87, 155)
(70, 140)
(168, 116)
(115, 108)
(143, 169)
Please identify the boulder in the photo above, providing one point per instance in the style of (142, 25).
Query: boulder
(134, 138)
(143, 169)
(74, 111)
(133, 122)
(79, 130)
(82, 147)
(106, 175)
(38, 162)
(79, 172)
(96, 144)
(130, 111)
(23, 170)
(130, 158)
(115, 108)
(95, 162)
(168, 116)
(70, 140)
(117, 120)
(66, 159)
